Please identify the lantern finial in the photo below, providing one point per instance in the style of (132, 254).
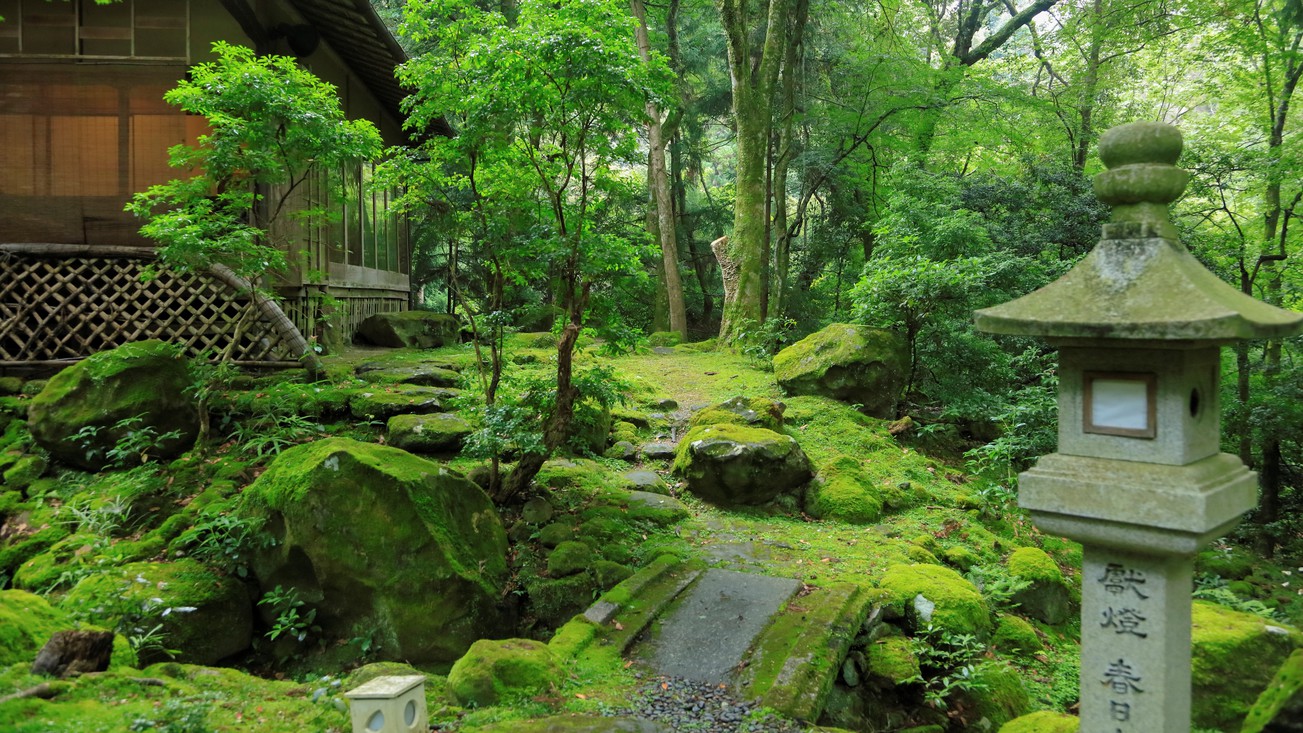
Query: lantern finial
(1142, 179)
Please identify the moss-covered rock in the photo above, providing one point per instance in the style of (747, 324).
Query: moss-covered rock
(937, 595)
(759, 412)
(426, 375)
(893, 660)
(555, 533)
(365, 533)
(996, 697)
(410, 329)
(961, 557)
(437, 433)
(843, 491)
(137, 390)
(610, 573)
(570, 557)
(66, 558)
(25, 471)
(27, 621)
(1016, 635)
(1043, 721)
(1047, 598)
(732, 464)
(855, 364)
(664, 338)
(1279, 709)
(495, 671)
(1235, 655)
(204, 616)
(1228, 562)
(382, 403)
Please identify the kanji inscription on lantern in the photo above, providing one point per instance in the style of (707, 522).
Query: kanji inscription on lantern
(1119, 580)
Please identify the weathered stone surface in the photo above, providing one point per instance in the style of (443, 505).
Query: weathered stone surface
(492, 671)
(137, 387)
(211, 615)
(366, 534)
(538, 510)
(410, 329)
(757, 412)
(646, 481)
(658, 450)
(854, 364)
(579, 724)
(1279, 708)
(70, 653)
(570, 557)
(1235, 656)
(731, 464)
(435, 433)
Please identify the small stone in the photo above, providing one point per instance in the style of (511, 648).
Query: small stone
(665, 405)
(537, 510)
(658, 450)
(850, 675)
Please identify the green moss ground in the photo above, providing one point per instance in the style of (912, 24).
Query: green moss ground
(927, 505)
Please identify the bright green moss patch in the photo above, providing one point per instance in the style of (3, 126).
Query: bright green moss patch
(1016, 635)
(893, 659)
(949, 602)
(26, 622)
(1235, 655)
(843, 491)
(568, 558)
(997, 696)
(1043, 721)
(496, 671)
(1031, 563)
(1282, 698)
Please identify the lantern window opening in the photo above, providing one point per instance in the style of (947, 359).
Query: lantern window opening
(1120, 403)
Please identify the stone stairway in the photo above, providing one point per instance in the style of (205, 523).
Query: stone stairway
(768, 639)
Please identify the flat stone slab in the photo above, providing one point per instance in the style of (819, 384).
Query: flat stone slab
(707, 635)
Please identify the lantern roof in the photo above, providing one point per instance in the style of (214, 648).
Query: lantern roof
(1140, 282)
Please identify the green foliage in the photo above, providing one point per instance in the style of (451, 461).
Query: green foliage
(177, 715)
(133, 448)
(948, 664)
(294, 619)
(223, 539)
(272, 124)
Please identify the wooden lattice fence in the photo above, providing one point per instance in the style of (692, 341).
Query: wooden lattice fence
(60, 303)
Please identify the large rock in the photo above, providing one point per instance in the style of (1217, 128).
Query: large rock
(1235, 655)
(755, 412)
(495, 671)
(203, 616)
(936, 595)
(410, 329)
(854, 364)
(376, 538)
(136, 391)
(1047, 598)
(438, 433)
(731, 464)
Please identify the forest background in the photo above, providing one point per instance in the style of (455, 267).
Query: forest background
(754, 170)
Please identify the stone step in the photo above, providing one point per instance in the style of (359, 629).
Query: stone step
(711, 627)
(796, 660)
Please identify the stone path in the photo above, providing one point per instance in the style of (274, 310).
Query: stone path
(709, 631)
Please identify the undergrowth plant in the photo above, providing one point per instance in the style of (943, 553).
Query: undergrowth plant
(132, 448)
(947, 664)
(224, 540)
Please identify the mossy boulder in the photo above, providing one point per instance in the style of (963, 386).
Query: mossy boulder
(24, 472)
(438, 433)
(424, 376)
(1016, 635)
(936, 595)
(757, 412)
(410, 329)
(1279, 709)
(664, 338)
(854, 364)
(138, 389)
(382, 403)
(494, 671)
(1047, 599)
(845, 492)
(376, 537)
(204, 616)
(996, 697)
(732, 464)
(892, 660)
(570, 557)
(1235, 656)
(1043, 721)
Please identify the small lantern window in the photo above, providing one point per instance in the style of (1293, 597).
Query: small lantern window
(1121, 403)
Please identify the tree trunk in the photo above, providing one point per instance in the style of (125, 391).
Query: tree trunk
(754, 74)
(788, 147)
(659, 180)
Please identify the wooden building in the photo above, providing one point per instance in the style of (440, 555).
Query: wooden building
(83, 126)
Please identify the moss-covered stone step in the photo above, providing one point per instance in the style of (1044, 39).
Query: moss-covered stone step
(621, 613)
(795, 661)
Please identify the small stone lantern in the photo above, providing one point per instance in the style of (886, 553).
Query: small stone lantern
(1138, 478)
(393, 704)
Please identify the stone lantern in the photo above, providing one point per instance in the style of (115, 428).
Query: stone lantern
(1138, 478)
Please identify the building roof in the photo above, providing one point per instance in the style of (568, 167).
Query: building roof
(362, 40)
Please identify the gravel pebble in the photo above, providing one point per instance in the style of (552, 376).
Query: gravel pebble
(684, 705)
